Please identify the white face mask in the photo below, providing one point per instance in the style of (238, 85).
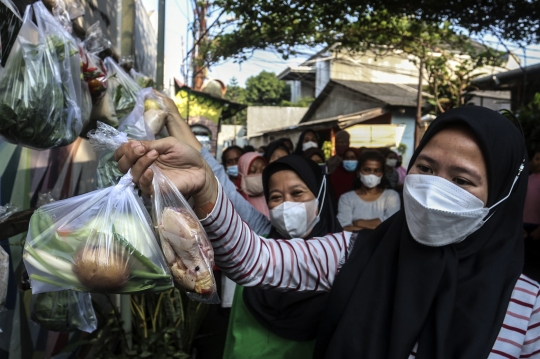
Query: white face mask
(308, 145)
(370, 181)
(391, 162)
(439, 212)
(253, 185)
(297, 219)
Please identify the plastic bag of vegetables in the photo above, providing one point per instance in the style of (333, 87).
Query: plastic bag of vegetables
(39, 105)
(188, 251)
(64, 311)
(101, 241)
(92, 66)
(122, 88)
(147, 118)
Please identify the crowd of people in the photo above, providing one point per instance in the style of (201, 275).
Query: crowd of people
(363, 185)
(351, 258)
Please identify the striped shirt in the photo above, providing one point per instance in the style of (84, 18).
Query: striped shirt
(299, 265)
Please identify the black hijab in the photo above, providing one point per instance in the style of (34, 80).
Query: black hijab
(272, 147)
(294, 316)
(299, 150)
(394, 292)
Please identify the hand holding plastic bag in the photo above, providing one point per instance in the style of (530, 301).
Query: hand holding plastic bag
(64, 311)
(101, 241)
(135, 127)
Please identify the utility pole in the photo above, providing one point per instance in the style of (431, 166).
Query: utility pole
(418, 125)
(199, 42)
(160, 45)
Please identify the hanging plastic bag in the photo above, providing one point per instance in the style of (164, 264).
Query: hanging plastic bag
(142, 80)
(7, 210)
(101, 241)
(9, 28)
(147, 106)
(38, 102)
(187, 250)
(93, 69)
(4, 276)
(122, 87)
(189, 254)
(64, 311)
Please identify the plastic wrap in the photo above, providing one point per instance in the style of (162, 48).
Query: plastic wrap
(188, 251)
(64, 311)
(142, 80)
(4, 276)
(122, 88)
(101, 241)
(135, 127)
(40, 85)
(7, 210)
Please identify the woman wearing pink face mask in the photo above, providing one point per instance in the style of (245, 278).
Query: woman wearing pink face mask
(250, 168)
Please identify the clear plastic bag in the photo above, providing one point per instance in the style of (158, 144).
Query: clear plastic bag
(142, 80)
(187, 250)
(102, 241)
(7, 210)
(135, 127)
(4, 277)
(39, 102)
(64, 311)
(93, 69)
(122, 88)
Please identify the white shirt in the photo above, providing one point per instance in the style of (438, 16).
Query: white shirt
(351, 207)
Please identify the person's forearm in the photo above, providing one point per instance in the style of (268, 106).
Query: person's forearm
(367, 223)
(352, 228)
(251, 260)
(179, 129)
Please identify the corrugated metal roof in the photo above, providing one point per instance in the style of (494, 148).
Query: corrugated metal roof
(391, 94)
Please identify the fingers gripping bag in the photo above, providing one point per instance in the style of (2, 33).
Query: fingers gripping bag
(38, 102)
(188, 251)
(136, 127)
(102, 241)
(64, 311)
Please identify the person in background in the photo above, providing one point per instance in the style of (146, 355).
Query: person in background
(343, 177)
(272, 324)
(261, 150)
(250, 169)
(390, 169)
(229, 159)
(288, 143)
(342, 143)
(369, 204)
(315, 154)
(402, 172)
(249, 148)
(308, 139)
(276, 149)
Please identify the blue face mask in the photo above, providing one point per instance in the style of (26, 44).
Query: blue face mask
(350, 165)
(232, 170)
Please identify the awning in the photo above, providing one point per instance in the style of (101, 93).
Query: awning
(376, 136)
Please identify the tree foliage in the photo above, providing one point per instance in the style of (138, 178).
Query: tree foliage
(529, 117)
(288, 24)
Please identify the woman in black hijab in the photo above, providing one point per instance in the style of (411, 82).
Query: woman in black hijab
(308, 139)
(449, 299)
(293, 317)
(276, 149)
(440, 279)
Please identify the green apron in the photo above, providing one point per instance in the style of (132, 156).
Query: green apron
(247, 338)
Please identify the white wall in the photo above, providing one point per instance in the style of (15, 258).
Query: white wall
(264, 118)
(408, 119)
(228, 136)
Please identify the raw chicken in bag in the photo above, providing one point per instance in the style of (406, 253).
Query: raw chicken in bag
(188, 251)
